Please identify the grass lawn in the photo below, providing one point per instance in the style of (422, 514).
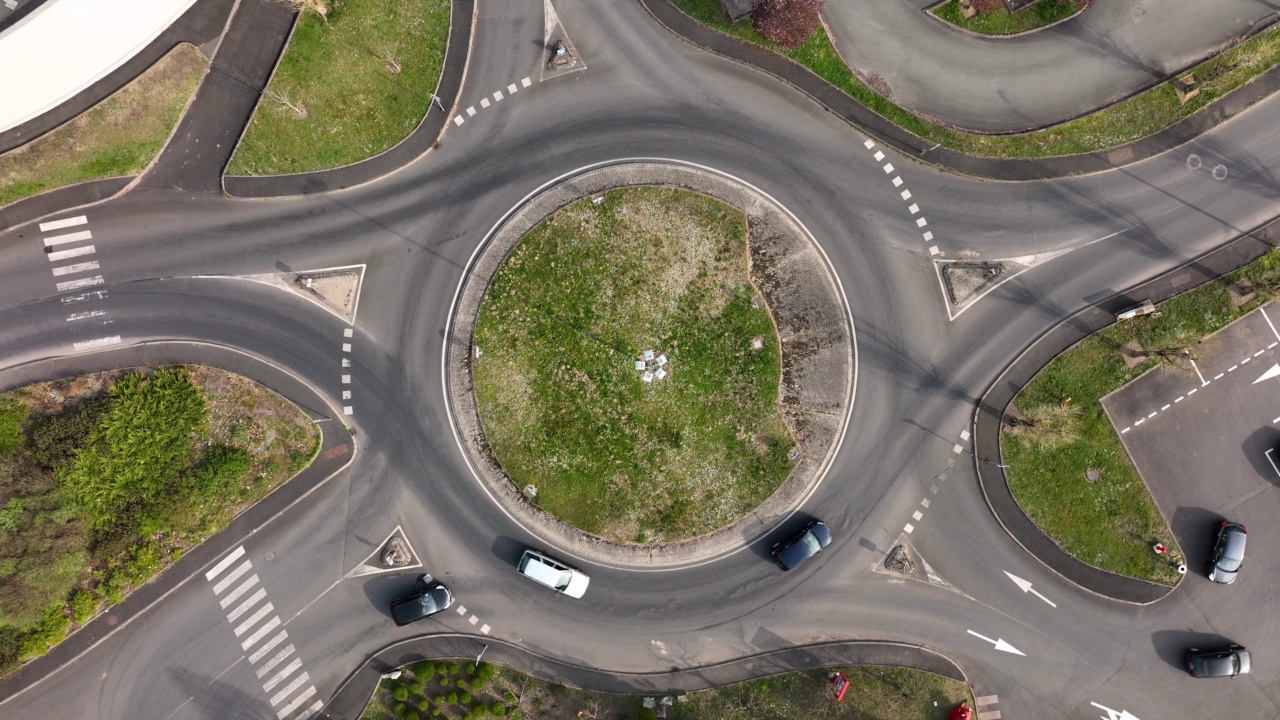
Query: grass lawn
(1002, 22)
(563, 406)
(1112, 523)
(347, 89)
(118, 136)
(106, 478)
(1123, 122)
(882, 693)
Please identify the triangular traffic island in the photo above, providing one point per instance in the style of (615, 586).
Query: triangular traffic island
(336, 289)
(901, 560)
(562, 55)
(395, 554)
(965, 280)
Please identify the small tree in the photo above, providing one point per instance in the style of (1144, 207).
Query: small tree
(788, 23)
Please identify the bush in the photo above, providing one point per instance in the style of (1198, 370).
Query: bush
(471, 669)
(411, 715)
(485, 672)
(645, 713)
(55, 439)
(463, 684)
(400, 693)
(452, 698)
(398, 710)
(46, 633)
(438, 700)
(499, 710)
(417, 688)
(480, 710)
(464, 697)
(444, 681)
(424, 671)
(509, 697)
(83, 605)
(453, 669)
(425, 705)
(436, 711)
(788, 23)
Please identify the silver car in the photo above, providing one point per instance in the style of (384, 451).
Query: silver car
(553, 573)
(1228, 553)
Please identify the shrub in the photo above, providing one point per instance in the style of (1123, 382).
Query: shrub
(398, 710)
(499, 710)
(514, 714)
(411, 715)
(444, 681)
(645, 713)
(463, 684)
(471, 669)
(478, 682)
(480, 710)
(509, 697)
(55, 439)
(425, 705)
(83, 605)
(400, 693)
(436, 711)
(788, 23)
(417, 688)
(452, 698)
(486, 672)
(424, 671)
(46, 633)
(464, 697)
(453, 669)
(438, 700)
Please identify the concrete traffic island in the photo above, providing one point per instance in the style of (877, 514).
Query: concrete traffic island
(813, 325)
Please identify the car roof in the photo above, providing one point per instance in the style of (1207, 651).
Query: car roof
(553, 574)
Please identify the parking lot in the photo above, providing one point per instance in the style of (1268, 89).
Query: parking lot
(1204, 437)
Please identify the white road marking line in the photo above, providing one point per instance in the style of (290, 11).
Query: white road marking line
(925, 502)
(906, 195)
(1152, 414)
(224, 582)
(484, 102)
(86, 315)
(346, 347)
(76, 268)
(253, 639)
(1273, 327)
(957, 449)
(878, 156)
(348, 332)
(485, 629)
(280, 676)
(68, 238)
(1230, 369)
(933, 489)
(934, 250)
(235, 594)
(964, 434)
(921, 222)
(897, 182)
(471, 111)
(928, 236)
(223, 564)
(293, 685)
(1139, 422)
(914, 208)
(1273, 345)
(260, 652)
(262, 612)
(346, 394)
(1259, 353)
(315, 708)
(888, 168)
(1276, 421)
(1272, 461)
(497, 95)
(908, 528)
(917, 516)
(84, 297)
(346, 379)
(1197, 369)
(473, 619)
(525, 82)
(97, 342)
(1125, 430)
(297, 702)
(986, 700)
(279, 658)
(462, 610)
(244, 607)
(1166, 407)
(991, 715)
(1180, 399)
(73, 252)
(1245, 360)
(511, 89)
(64, 223)
(1218, 376)
(347, 410)
(869, 144)
(457, 120)
(1193, 391)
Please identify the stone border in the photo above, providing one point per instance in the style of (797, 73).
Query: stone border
(814, 327)
(929, 11)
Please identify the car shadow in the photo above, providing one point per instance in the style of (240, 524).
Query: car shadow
(1172, 645)
(508, 549)
(1196, 529)
(382, 589)
(792, 527)
(1255, 448)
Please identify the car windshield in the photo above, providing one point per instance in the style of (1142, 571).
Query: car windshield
(1233, 554)
(1218, 666)
(429, 604)
(563, 580)
(810, 543)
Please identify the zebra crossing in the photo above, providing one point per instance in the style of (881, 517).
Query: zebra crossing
(260, 632)
(67, 240)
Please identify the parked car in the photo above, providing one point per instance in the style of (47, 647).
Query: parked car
(431, 598)
(553, 573)
(1228, 553)
(1230, 661)
(808, 543)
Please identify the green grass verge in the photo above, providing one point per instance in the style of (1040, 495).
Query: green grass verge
(1118, 124)
(107, 478)
(1002, 22)
(565, 409)
(365, 79)
(887, 693)
(1112, 523)
(118, 136)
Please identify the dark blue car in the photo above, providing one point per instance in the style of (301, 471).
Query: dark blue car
(808, 543)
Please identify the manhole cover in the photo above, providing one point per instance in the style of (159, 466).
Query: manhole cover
(1139, 12)
(1220, 172)
(1193, 161)
(112, 619)
(1092, 475)
(269, 555)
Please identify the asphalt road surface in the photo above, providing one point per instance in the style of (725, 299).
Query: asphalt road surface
(645, 94)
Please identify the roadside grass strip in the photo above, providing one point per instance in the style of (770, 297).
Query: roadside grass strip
(1123, 122)
(118, 136)
(1063, 430)
(1002, 22)
(348, 88)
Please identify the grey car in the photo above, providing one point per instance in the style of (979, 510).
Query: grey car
(1229, 661)
(431, 597)
(1228, 553)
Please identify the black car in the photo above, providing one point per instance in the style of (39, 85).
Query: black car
(808, 543)
(1228, 553)
(1230, 661)
(431, 598)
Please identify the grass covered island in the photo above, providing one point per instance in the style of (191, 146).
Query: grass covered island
(562, 325)
(457, 689)
(107, 478)
(993, 16)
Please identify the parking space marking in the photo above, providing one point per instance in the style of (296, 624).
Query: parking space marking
(473, 620)
(1272, 460)
(462, 610)
(917, 516)
(888, 168)
(925, 502)
(909, 528)
(878, 156)
(485, 629)
(897, 182)
(1273, 327)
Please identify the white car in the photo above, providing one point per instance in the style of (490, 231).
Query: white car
(552, 573)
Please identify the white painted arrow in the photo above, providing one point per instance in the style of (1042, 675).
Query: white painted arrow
(1001, 645)
(1025, 586)
(1273, 372)
(1112, 714)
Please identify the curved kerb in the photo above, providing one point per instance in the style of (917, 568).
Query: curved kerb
(814, 327)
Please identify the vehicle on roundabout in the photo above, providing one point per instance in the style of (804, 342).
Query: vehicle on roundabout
(431, 598)
(553, 573)
(808, 543)
(1230, 661)
(1228, 553)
